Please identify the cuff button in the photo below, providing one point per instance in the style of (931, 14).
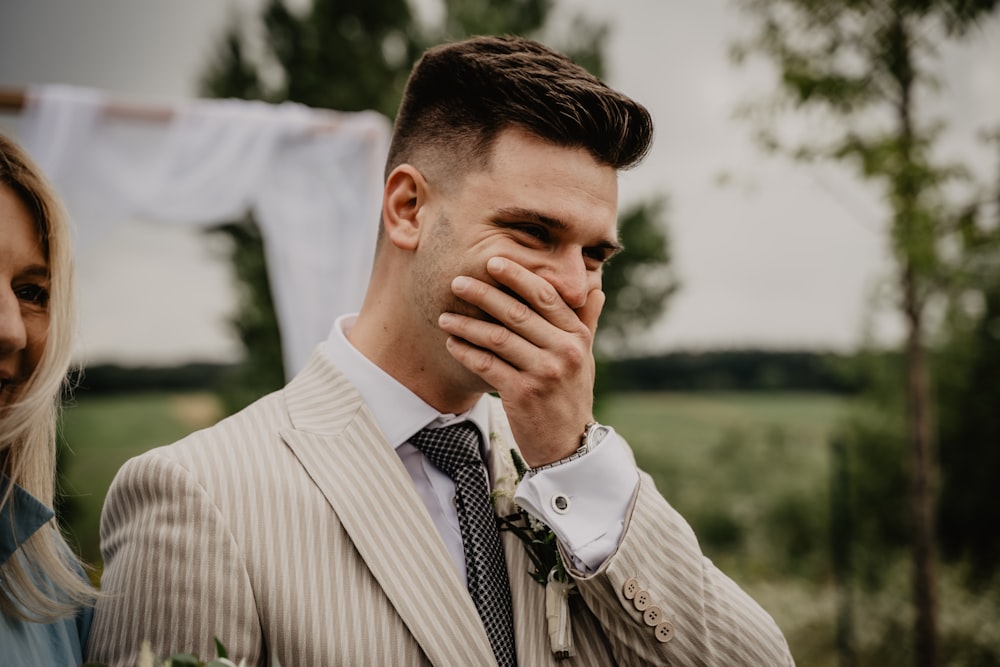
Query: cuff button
(630, 589)
(641, 600)
(652, 616)
(664, 632)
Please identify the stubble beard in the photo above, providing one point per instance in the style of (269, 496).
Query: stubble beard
(430, 292)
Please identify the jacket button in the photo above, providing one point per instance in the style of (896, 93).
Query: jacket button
(641, 600)
(630, 589)
(664, 632)
(652, 616)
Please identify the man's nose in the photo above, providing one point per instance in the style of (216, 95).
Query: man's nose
(570, 277)
(13, 336)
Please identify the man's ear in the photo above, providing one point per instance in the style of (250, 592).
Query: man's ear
(405, 194)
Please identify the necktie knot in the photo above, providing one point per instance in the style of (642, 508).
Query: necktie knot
(450, 448)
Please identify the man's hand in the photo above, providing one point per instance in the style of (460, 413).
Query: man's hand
(539, 357)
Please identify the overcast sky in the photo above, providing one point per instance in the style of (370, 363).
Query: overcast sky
(782, 256)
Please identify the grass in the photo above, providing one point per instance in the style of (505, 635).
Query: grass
(714, 454)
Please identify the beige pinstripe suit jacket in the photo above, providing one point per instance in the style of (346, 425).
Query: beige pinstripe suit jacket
(292, 530)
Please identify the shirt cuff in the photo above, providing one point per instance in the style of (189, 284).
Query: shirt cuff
(584, 501)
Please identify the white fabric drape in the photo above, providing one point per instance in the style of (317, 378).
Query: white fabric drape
(312, 178)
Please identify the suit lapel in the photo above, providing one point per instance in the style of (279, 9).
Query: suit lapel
(348, 458)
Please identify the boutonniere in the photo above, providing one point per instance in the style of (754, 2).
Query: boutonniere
(542, 547)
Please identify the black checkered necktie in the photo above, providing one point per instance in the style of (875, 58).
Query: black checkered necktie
(455, 451)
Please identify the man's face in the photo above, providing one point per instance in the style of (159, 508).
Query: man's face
(548, 208)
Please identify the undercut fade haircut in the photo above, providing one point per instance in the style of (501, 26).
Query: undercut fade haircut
(461, 96)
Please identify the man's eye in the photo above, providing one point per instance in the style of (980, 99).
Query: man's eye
(36, 295)
(534, 231)
(598, 257)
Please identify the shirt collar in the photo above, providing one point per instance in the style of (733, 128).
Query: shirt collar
(398, 412)
(20, 517)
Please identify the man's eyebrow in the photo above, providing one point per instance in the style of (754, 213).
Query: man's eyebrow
(531, 215)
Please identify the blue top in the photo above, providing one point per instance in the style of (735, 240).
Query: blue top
(22, 642)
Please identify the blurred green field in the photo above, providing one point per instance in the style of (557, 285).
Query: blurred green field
(100, 433)
(703, 447)
(748, 471)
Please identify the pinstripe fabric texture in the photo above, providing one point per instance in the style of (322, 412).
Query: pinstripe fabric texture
(292, 530)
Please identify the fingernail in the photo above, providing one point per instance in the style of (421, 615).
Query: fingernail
(460, 282)
(444, 319)
(495, 264)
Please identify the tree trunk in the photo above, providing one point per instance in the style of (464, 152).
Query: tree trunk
(919, 429)
(919, 436)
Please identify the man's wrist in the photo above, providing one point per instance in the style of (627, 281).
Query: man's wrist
(593, 434)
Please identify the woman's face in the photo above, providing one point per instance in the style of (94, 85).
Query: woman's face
(24, 295)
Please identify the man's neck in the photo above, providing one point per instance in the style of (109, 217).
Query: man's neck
(450, 390)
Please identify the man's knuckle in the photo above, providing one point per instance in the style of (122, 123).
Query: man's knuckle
(548, 297)
(518, 313)
(482, 362)
(500, 336)
(550, 370)
(573, 356)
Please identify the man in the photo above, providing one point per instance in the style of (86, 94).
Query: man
(329, 523)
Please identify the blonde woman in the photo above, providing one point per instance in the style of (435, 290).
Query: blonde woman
(44, 598)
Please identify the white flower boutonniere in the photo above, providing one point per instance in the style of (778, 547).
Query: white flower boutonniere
(542, 547)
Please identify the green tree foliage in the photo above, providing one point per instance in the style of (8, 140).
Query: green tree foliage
(877, 483)
(855, 72)
(486, 17)
(970, 440)
(351, 55)
(256, 321)
(639, 281)
(968, 390)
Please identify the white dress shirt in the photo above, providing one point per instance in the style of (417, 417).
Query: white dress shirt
(597, 488)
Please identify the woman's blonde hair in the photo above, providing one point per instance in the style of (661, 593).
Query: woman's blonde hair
(42, 580)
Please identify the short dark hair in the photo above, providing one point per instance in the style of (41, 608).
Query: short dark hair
(460, 96)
